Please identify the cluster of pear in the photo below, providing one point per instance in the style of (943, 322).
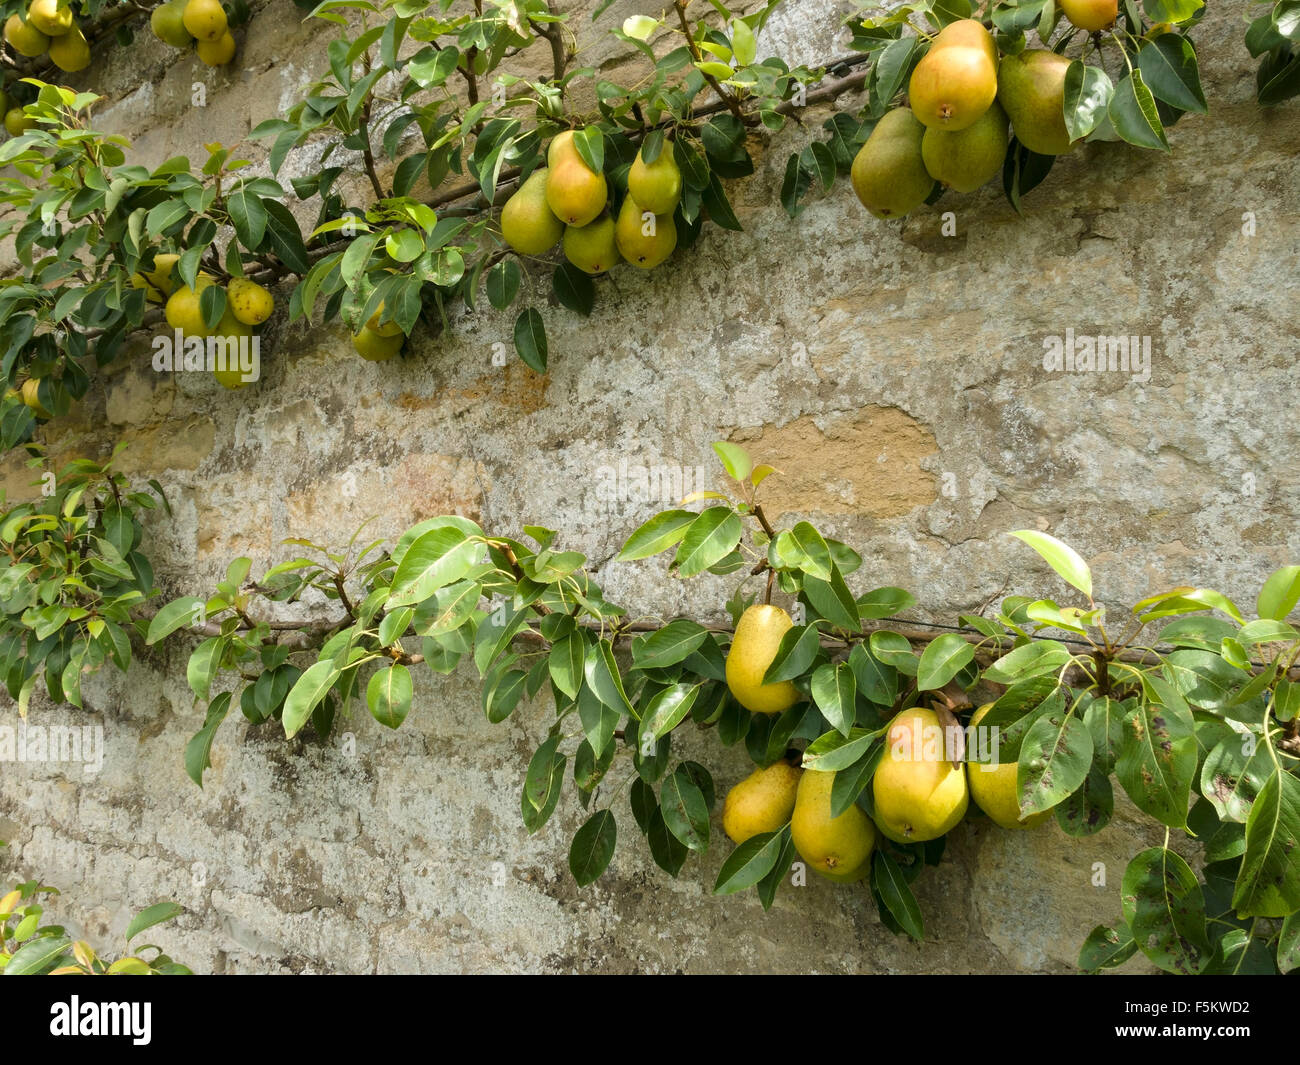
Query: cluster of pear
(916, 797)
(48, 26)
(247, 304)
(962, 98)
(182, 22)
(566, 201)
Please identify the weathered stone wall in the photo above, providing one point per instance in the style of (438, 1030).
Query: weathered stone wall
(921, 426)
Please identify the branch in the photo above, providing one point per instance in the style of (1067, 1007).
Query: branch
(727, 98)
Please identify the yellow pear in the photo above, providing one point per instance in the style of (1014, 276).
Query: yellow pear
(168, 24)
(527, 222)
(889, 172)
(388, 329)
(375, 347)
(183, 309)
(762, 802)
(205, 20)
(644, 239)
(758, 635)
(216, 53)
(70, 52)
(18, 122)
(1031, 89)
(919, 794)
(248, 301)
(30, 396)
(575, 192)
(971, 157)
(839, 848)
(656, 186)
(25, 38)
(592, 248)
(1090, 15)
(232, 330)
(48, 17)
(161, 275)
(957, 79)
(995, 790)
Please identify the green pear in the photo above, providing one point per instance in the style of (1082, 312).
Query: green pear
(644, 239)
(838, 848)
(168, 24)
(919, 794)
(575, 192)
(592, 248)
(888, 173)
(753, 647)
(969, 158)
(957, 79)
(762, 802)
(656, 186)
(527, 223)
(1031, 89)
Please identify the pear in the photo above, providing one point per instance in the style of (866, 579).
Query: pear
(161, 276)
(168, 24)
(183, 310)
(839, 848)
(250, 303)
(957, 79)
(48, 17)
(216, 53)
(387, 329)
(70, 52)
(575, 192)
(656, 186)
(592, 248)
(18, 122)
(969, 158)
(205, 20)
(919, 795)
(1090, 15)
(231, 330)
(995, 790)
(644, 239)
(25, 38)
(758, 635)
(889, 173)
(762, 802)
(376, 347)
(30, 396)
(1031, 89)
(527, 223)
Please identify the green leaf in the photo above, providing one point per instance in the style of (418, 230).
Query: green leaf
(436, 558)
(750, 862)
(812, 551)
(942, 660)
(1133, 113)
(735, 459)
(666, 711)
(1165, 911)
(1088, 92)
(833, 601)
(199, 748)
(565, 664)
(1157, 760)
(1039, 658)
(876, 681)
(152, 915)
(1061, 557)
(658, 534)
(1106, 948)
(176, 614)
(833, 752)
(1055, 757)
(669, 645)
(685, 812)
(889, 881)
(1268, 884)
(573, 288)
(798, 650)
(603, 678)
(388, 695)
(503, 283)
(708, 539)
(1280, 594)
(1288, 944)
(835, 691)
(307, 694)
(1234, 773)
(1169, 68)
(38, 956)
(530, 339)
(593, 847)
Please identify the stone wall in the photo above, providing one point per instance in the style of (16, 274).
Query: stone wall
(920, 427)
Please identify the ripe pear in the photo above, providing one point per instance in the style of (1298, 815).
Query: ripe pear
(758, 635)
(889, 173)
(575, 192)
(591, 248)
(957, 79)
(527, 223)
(919, 794)
(1031, 89)
(31, 397)
(48, 17)
(70, 52)
(969, 158)
(656, 186)
(839, 848)
(205, 20)
(232, 329)
(18, 122)
(168, 24)
(1090, 15)
(248, 301)
(161, 275)
(216, 53)
(644, 239)
(387, 329)
(995, 790)
(183, 310)
(25, 38)
(762, 802)
(375, 347)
